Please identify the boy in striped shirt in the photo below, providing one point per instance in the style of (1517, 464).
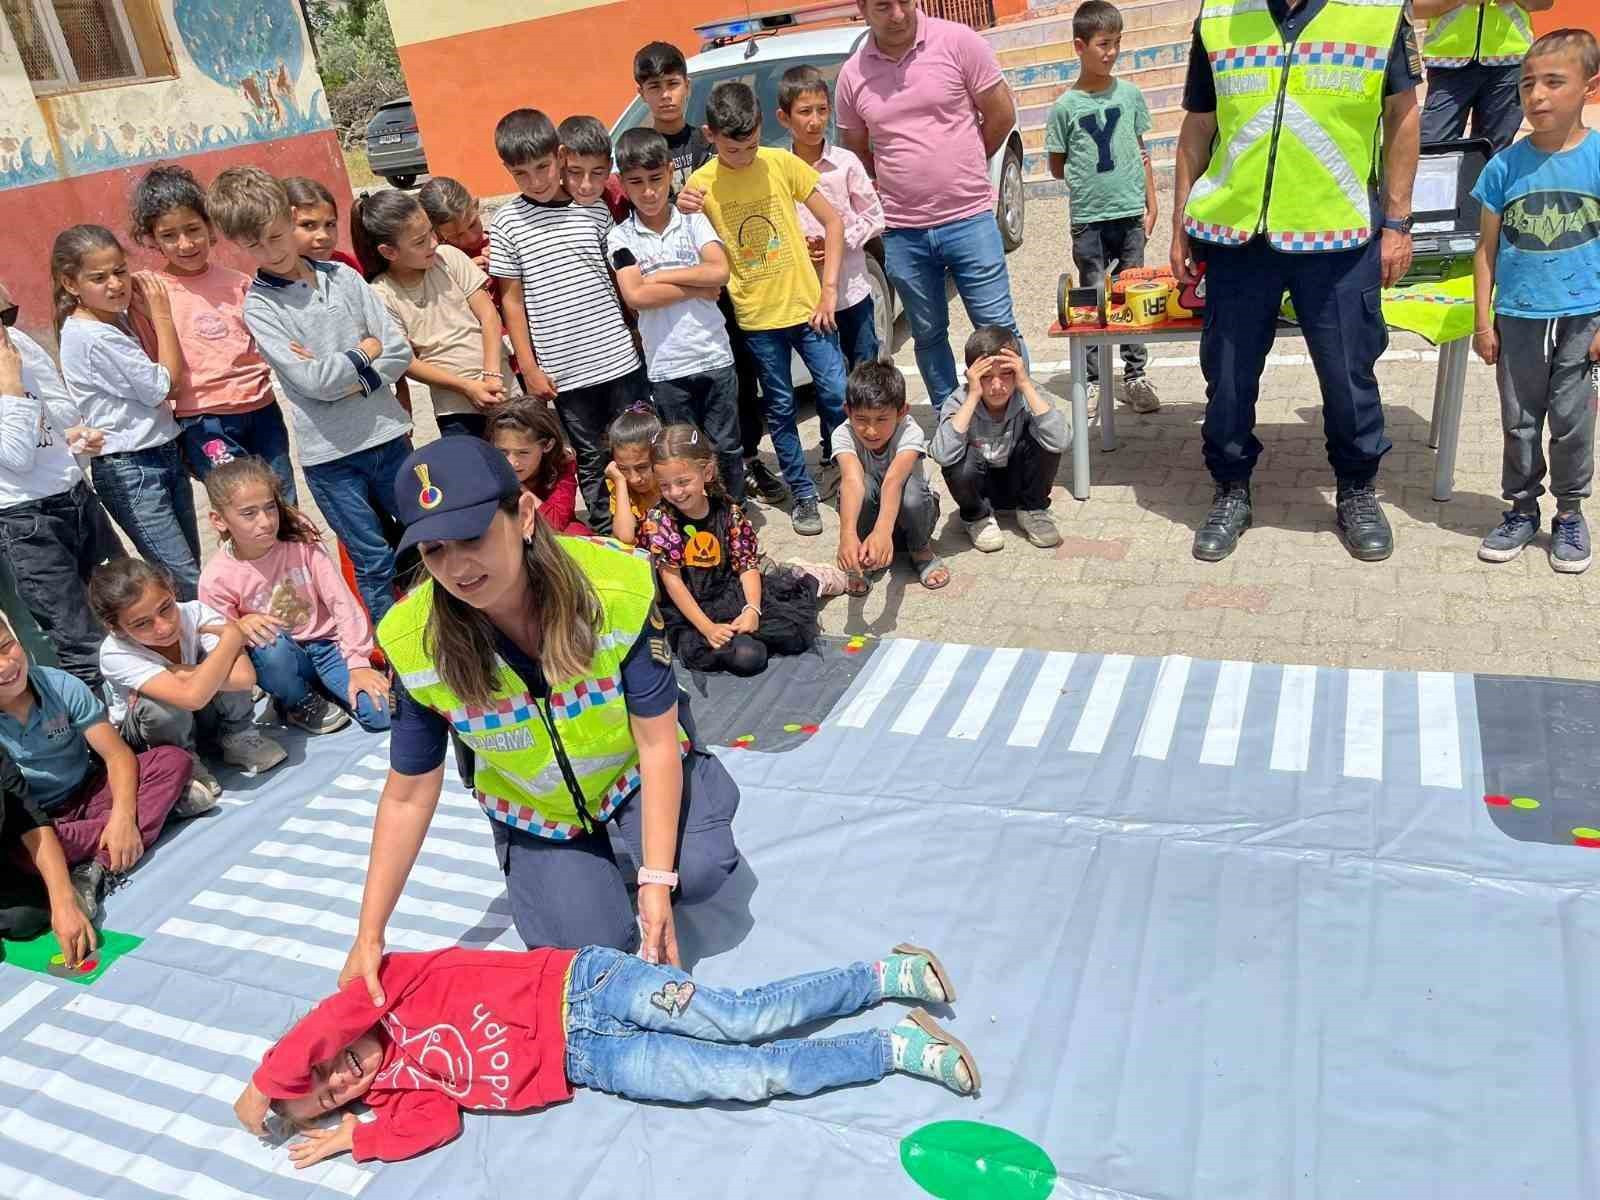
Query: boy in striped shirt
(560, 304)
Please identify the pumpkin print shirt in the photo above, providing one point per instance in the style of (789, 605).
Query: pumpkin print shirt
(719, 546)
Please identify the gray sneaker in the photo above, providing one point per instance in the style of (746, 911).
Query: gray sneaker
(1569, 543)
(1507, 539)
(806, 518)
(1140, 395)
(88, 881)
(315, 714)
(1039, 527)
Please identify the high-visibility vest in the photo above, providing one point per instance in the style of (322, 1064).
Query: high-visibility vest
(1297, 125)
(520, 779)
(1496, 33)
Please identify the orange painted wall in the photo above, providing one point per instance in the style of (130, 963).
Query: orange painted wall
(1566, 14)
(575, 62)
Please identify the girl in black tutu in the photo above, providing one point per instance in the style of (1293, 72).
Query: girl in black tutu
(722, 612)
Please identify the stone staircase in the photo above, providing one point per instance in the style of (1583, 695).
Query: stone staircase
(1040, 63)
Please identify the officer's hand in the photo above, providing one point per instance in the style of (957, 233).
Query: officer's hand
(1182, 265)
(1396, 251)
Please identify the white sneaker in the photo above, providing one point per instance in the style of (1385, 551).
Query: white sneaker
(985, 534)
(198, 799)
(1094, 400)
(202, 775)
(251, 751)
(1140, 395)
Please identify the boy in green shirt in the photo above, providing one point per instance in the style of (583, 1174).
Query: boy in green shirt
(1095, 140)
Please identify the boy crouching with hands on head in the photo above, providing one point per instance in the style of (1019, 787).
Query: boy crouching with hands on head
(999, 445)
(494, 1031)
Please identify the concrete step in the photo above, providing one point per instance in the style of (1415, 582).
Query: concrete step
(1163, 119)
(1055, 24)
(1033, 105)
(1018, 65)
(1036, 165)
(1057, 73)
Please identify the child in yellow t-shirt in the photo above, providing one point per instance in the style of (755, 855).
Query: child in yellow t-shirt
(749, 192)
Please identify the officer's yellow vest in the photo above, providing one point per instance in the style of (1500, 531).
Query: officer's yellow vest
(519, 779)
(1297, 125)
(1496, 33)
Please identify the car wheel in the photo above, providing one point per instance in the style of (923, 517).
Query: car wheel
(1013, 200)
(404, 182)
(883, 312)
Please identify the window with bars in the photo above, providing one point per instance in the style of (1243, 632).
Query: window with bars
(72, 43)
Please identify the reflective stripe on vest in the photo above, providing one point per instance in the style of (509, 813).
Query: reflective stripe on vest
(1305, 113)
(1496, 33)
(518, 778)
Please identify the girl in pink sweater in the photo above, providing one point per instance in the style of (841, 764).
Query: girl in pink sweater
(308, 637)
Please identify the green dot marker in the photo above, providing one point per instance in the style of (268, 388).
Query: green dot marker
(1583, 831)
(965, 1160)
(1527, 802)
(791, 729)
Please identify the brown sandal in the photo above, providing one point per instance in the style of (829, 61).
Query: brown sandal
(939, 972)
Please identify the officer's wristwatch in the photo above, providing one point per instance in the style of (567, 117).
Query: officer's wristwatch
(1399, 224)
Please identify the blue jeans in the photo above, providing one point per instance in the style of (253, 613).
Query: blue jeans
(355, 493)
(916, 261)
(212, 439)
(289, 671)
(148, 493)
(1488, 94)
(820, 352)
(858, 333)
(648, 1033)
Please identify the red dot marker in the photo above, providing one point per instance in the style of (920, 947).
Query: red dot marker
(809, 728)
(1591, 843)
(1497, 801)
(88, 965)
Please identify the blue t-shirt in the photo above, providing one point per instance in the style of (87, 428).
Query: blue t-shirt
(419, 736)
(1548, 263)
(50, 749)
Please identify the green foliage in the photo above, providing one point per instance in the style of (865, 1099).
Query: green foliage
(358, 61)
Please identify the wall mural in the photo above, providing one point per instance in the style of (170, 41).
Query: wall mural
(244, 74)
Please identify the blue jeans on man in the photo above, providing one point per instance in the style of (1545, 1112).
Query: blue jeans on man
(355, 494)
(820, 352)
(973, 254)
(290, 671)
(211, 439)
(715, 1044)
(148, 493)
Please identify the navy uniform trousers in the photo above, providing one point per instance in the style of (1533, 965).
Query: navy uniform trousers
(1337, 300)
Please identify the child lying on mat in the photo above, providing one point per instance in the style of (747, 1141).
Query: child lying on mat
(490, 1030)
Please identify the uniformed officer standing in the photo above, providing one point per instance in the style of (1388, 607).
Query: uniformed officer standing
(1473, 51)
(1299, 114)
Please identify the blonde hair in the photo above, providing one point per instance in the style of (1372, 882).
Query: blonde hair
(243, 201)
(460, 640)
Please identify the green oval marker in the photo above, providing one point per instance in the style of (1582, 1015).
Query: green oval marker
(964, 1160)
(1583, 831)
(1527, 802)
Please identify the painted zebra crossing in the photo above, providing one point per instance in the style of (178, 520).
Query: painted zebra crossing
(1176, 709)
(100, 1097)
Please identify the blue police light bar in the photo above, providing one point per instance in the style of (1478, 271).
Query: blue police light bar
(721, 32)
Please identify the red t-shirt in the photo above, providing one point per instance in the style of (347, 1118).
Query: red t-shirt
(559, 507)
(476, 1029)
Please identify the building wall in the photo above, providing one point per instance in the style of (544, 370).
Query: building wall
(244, 90)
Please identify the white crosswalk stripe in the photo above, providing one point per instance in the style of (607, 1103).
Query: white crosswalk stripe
(279, 912)
(428, 876)
(176, 1029)
(1040, 704)
(1161, 718)
(981, 702)
(883, 673)
(223, 938)
(914, 717)
(1291, 734)
(1440, 729)
(333, 889)
(21, 1185)
(1225, 723)
(1105, 694)
(1363, 725)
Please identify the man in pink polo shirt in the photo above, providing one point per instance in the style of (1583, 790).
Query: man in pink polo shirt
(922, 103)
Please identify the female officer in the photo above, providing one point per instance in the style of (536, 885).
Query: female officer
(545, 656)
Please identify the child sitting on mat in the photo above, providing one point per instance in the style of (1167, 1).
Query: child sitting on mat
(527, 432)
(494, 1031)
(722, 612)
(631, 474)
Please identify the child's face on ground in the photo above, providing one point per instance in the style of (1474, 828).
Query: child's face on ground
(523, 451)
(415, 246)
(648, 189)
(152, 619)
(102, 283)
(275, 249)
(735, 153)
(665, 97)
(250, 518)
(638, 469)
(463, 231)
(347, 1076)
(316, 231)
(1554, 91)
(999, 382)
(875, 426)
(683, 484)
(1099, 52)
(184, 238)
(807, 118)
(539, 178)
(584, 176)
(13, 667)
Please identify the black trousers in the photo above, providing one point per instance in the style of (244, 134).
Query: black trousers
(1337, 301)
(710, 401)
(752, 422)
(1023, 483)
(54, 545)
(1487, 94)
(585, 414)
